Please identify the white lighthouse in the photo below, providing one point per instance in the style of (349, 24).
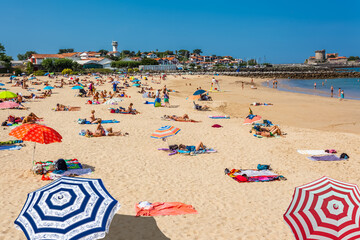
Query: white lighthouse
(115, 45)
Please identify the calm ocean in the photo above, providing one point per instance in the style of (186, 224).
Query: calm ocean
(351, 86)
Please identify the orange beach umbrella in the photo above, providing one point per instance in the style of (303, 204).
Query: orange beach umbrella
(36, 133)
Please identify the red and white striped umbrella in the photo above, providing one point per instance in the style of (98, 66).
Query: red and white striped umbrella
(325, 209)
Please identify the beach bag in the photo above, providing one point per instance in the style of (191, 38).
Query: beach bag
(263, 167)
(60, 165)
(112, 111)
(4, 123)
(81, 121)
(173, 147)
(344, 156)
(38, 169)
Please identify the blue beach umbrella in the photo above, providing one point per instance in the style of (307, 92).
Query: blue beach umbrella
(136, 80)
(136, 85)
(48, 87)
(199, 92)
(68, 208)
(32, 78)
(77, 87)
(46, 74)
(1, 84)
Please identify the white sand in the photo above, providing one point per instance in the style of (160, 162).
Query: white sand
(133, 170)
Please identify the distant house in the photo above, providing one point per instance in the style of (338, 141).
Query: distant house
(19, 63)
(37, 59)
(114, 54)
(337, 60)
(152, 55)
(136, 59)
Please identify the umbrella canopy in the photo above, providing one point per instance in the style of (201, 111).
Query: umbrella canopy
(36, 133)
(166, 131)
(46, 74)
(32, 78)
(77, 87)
(199, 92)
(8, 104)
(1, 84)
(194, 97)
(48, 87)
(136, 80)
(68, 208)
(7, 95)
(325, 209)
(252, 118)
(136, 85)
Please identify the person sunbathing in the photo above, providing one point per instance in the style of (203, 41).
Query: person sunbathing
(198, 147)
(199, 107)
(60, 107)
(268, 131)
(31, 118)
(100, 131)
(185, 117)
(92, 117)
(131, 109)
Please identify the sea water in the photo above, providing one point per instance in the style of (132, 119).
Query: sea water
(351, 86)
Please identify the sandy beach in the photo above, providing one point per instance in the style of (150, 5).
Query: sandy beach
(133, 170)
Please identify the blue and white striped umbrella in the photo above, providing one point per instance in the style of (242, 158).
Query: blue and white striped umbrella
(68, 208)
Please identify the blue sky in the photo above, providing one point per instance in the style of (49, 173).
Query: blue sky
(281, 31)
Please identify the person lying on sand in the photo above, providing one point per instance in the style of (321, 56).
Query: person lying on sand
(31, 118)
(60, 107)
(199, 107)
(100, 131)
(269, 131)
(185, 117)
(198, 147)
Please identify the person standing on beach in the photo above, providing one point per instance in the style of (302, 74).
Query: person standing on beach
(342, 95)
(242, 85)
(332, 91)
(314, 85)
(274, 83)
(339, 92)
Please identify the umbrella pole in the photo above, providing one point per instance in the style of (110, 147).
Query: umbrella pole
(33, 156)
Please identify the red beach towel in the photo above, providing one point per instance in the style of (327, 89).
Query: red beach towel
(165, 208)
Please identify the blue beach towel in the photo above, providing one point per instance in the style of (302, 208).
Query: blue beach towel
(103, 121)
(10, 147)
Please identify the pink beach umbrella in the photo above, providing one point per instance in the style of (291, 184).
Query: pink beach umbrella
(8, 104)
(255, 118)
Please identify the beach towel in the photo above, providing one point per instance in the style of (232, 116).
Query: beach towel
(10, 147)
(325, 158)
(163, 209)
(147, 102)
(11, 142)
(102, 121)
(201, 151)
(312, 152)
(216, 126)
(72, 172)
(253, 175)
(70, 163)
(13, 124)
(219, 117)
